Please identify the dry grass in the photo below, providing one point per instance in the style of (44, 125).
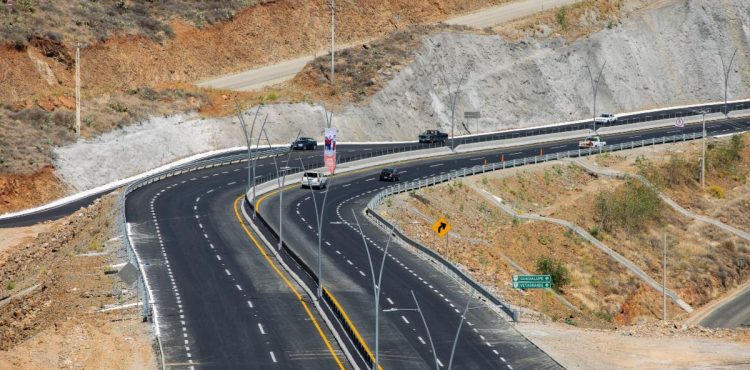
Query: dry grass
(363, 70)
(571, 21)
(30, 131)
(703, 259)
(71, 21)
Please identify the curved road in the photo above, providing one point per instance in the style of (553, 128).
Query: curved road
(220, 302)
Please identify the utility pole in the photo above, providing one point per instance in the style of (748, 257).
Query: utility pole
(78, 89)
(664, 281)
(703, 150)
(725, 69)
(595, 87)
(333, 33)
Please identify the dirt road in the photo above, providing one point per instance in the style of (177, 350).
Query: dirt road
(280, 72)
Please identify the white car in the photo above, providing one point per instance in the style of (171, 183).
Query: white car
(591, 142)
(606, 118)
(314, 179)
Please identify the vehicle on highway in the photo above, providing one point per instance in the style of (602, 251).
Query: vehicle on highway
(606, 118)
(591, 142)
(389, 174)
(433, 136)
(305, 143)
(314, 179)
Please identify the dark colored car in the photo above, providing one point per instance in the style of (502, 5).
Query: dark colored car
(389, 174)
(433, 136)
(305, 143)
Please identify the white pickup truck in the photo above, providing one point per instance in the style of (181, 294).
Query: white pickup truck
(591, 142)
(606, 118)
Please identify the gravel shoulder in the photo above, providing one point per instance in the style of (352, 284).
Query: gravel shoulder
(577, 348)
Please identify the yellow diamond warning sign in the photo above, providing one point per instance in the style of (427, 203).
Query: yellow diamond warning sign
(441, 227)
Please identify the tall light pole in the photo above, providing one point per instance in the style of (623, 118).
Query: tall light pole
(424, 322)
(595, 87)
(333, 33)
(249, 141)
(452, 95)
(664, 282)
(376, 285)
(78, 89)
(281, 180)
(319, 219)
(458, 331)
(703, 143)
(725, 69)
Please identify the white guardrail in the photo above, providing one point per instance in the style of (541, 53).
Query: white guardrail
(449, 267)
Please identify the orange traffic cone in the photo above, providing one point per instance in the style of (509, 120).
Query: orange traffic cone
(502, 157)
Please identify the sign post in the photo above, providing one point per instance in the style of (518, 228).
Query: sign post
(475, 115)
(441, 228)
(532, 282)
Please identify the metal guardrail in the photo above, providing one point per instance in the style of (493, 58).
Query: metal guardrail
(380, 197)
(623, 119)
(133, 257)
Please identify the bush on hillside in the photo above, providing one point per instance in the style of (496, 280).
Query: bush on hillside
(556, 270)
(627, 207)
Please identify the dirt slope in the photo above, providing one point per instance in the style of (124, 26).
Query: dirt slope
(255, 36)
(51, 289)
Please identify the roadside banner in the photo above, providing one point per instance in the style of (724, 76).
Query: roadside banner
(329, 150)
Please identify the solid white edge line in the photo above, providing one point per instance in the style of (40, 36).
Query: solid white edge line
(154, 311)
(116, 184)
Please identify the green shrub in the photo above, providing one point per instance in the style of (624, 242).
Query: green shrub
(561, 15)
(10, 286)
(716, 191)
(628, 207)
(595, 232)
(556, 270)
(606, 316)
(118, 107)
(724, 157)
(96, 246)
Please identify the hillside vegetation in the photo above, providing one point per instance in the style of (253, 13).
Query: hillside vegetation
(629, 217)
(27, 21)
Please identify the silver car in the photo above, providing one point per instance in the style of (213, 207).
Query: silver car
(314, 179)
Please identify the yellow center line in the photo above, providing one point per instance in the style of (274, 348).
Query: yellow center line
(288, 283)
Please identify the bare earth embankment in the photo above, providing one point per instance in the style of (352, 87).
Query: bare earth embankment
(609, 301)
(54, 279)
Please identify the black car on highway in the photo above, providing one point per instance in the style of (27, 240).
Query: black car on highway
(305, 143)
(389, 174)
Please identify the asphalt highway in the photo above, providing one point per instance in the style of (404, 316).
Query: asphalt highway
(490, 343)
(221, 303)
(359, 151)
(732, 314)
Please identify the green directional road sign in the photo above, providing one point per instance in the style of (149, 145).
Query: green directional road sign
(532, 281)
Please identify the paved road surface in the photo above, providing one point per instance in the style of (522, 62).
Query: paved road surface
(731, 314)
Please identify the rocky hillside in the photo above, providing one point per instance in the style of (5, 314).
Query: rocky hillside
(665, 54)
